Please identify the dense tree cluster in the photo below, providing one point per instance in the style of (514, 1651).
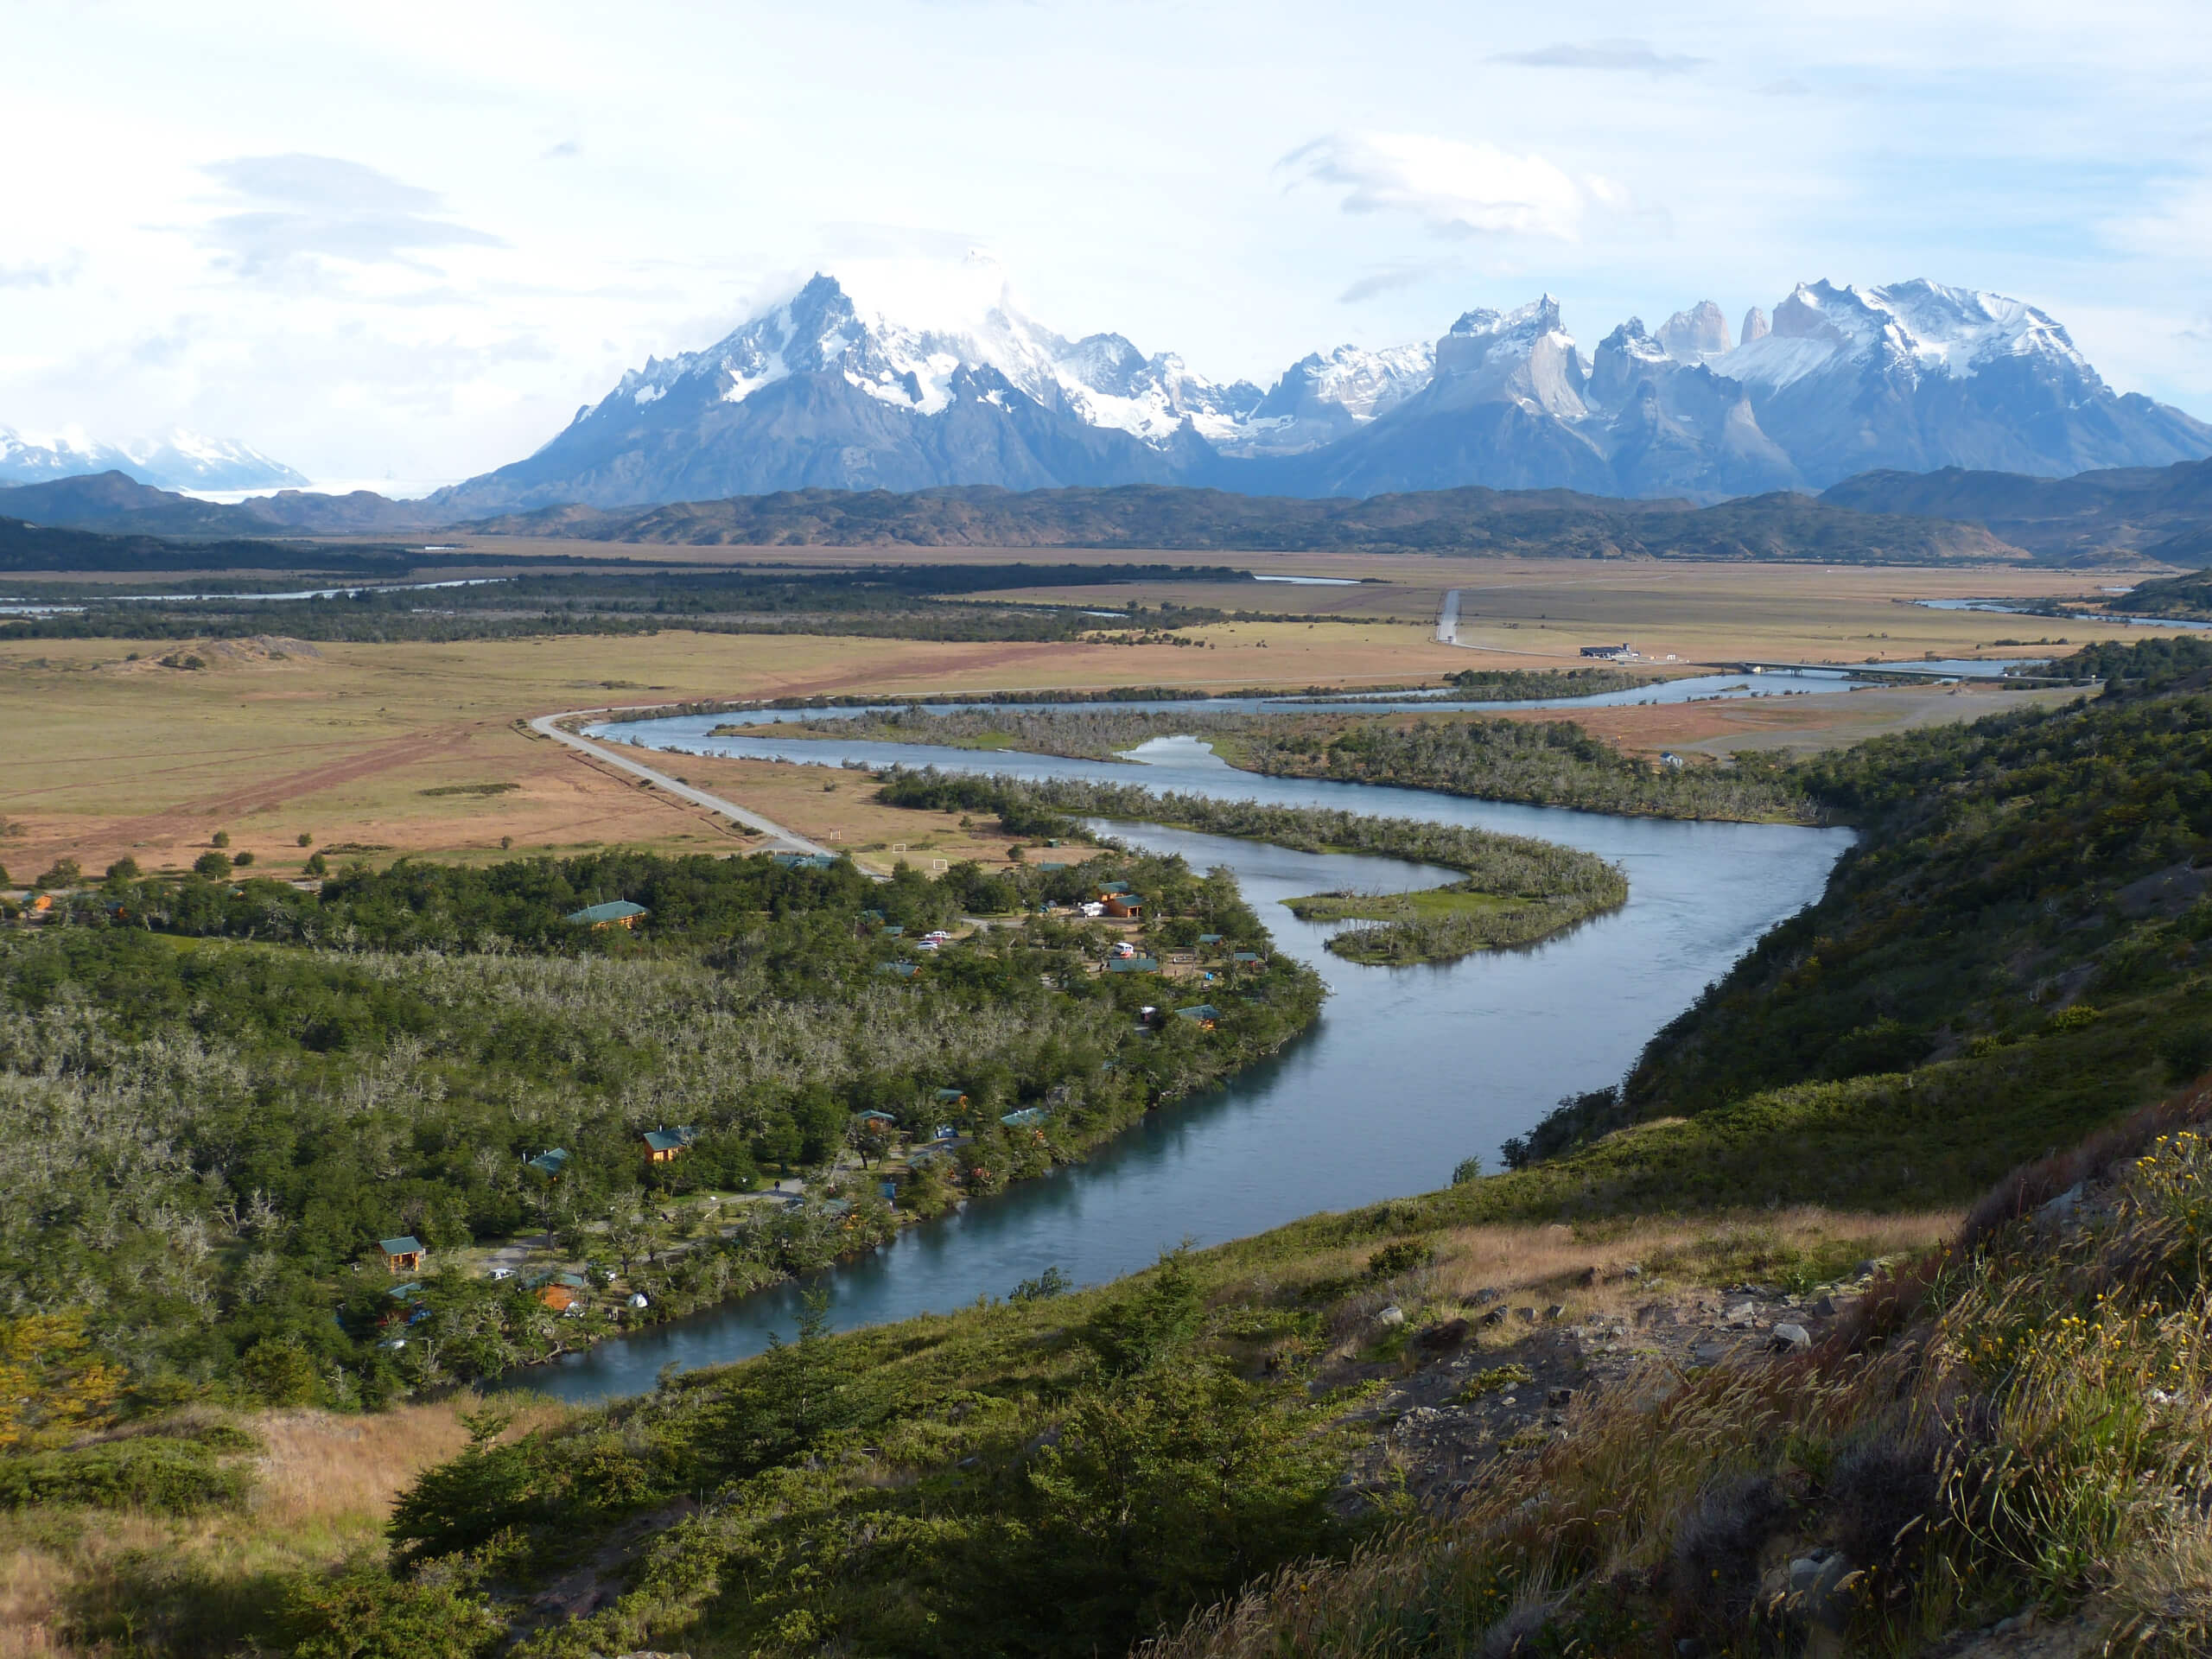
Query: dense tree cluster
(1541, 763)
(216, 1096)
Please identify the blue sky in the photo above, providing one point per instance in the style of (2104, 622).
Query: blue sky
(409, 240)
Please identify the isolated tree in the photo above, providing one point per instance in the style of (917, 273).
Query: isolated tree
(869, 1139)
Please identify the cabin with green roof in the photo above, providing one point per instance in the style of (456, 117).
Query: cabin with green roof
(615, 913)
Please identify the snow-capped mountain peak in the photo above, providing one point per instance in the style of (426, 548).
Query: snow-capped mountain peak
(1523, 356)
(179, 461)
(884, 377)
(1924, 328)
(1101, 379)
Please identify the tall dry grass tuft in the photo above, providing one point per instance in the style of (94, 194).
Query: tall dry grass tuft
(33, 1589)
(333, 1469)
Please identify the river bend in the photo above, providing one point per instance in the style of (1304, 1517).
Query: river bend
(1407, 1071)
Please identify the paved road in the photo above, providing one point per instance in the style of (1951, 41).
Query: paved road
(549, 725)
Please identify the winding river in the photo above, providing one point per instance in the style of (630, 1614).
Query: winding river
(1408, 1070)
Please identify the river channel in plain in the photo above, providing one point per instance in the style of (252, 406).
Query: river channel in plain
(1407, 1071)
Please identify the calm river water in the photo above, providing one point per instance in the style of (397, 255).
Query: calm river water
(1408, 1070)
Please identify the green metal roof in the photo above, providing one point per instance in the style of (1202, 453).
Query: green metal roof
(615, 910)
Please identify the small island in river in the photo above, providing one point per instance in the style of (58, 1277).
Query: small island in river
(1440, 924)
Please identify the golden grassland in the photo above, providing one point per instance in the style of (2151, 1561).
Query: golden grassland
(1801, 725)
(1548, 608)
(1550, 1261)
(114, 755)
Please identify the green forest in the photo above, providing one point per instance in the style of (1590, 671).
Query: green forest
(222, 1094)
(2014, 951)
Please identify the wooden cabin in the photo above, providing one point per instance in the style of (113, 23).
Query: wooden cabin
(403, 1254)
(618, 913)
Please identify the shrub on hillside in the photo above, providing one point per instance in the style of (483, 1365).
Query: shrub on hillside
(170, 1477)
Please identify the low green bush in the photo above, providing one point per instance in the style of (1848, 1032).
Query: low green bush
(170, 1477)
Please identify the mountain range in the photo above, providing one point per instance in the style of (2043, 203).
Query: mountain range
(1547, 524)
(2155, 512)
(182, 460)
(113, 503)
(824, 391)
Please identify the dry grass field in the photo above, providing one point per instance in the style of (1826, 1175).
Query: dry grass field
(1802, 725)
(119, 756)
(418, 747)
(1547, 608)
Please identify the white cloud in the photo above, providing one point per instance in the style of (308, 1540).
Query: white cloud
(298, 208)
(42, 273)
(1387, 280)
(1637, 56)
(2177, 225)
(401, 265)
(1455, 187)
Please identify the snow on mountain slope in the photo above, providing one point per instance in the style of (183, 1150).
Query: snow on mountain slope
(1320, 399)
(1367, 383)
(183, 460)
(187, 461)
(896, 376)
(1523, 356)
(1920, 326)
(900, 332)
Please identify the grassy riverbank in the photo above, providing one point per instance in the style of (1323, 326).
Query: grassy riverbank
(1541, 763)
(1516, 889)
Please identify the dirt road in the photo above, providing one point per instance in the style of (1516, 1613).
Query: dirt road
(549, 725)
